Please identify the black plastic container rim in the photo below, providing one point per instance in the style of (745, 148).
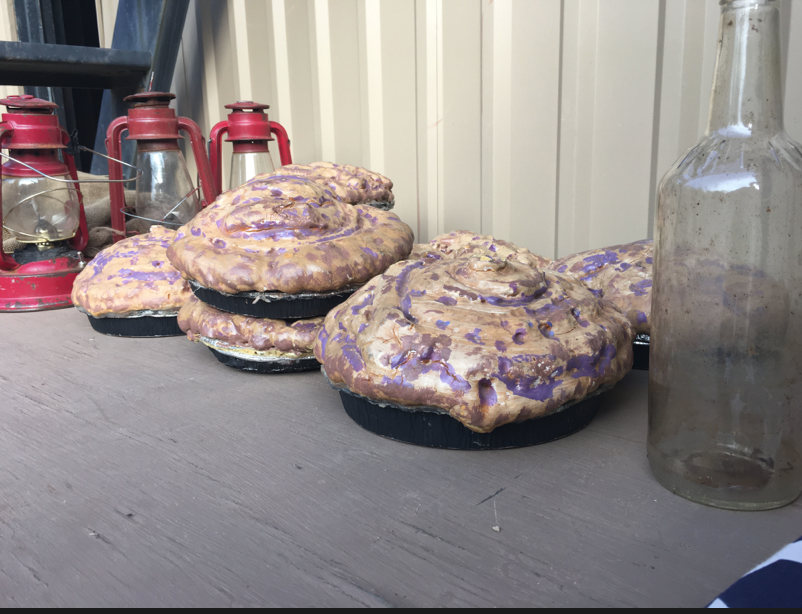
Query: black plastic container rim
(276, 297)
(279, 365)
(139, 326)
(435, 428)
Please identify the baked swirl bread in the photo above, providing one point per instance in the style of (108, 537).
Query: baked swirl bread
(487, 341)
(465, 243)
(131, 289)
(621, 274)
(284, 236)
(350, 184)
(251, 344)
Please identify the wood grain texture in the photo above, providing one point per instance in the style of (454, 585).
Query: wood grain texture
(144, 473)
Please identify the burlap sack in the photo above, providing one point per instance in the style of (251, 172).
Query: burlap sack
(98, 216)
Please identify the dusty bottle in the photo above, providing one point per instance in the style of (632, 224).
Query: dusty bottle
(725, 379)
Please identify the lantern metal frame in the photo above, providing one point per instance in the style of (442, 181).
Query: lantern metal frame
(151, 120)
(249, 129)
(31, 125)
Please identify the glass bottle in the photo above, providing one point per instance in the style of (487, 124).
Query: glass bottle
(164, 192)
(725, 379)
(248, 161)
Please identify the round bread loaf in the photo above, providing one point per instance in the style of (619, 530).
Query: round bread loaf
(485, 340)
(287, 234)
(248, 337)
(621, 274)
(349, 184)
(465, 243)
(132, 276)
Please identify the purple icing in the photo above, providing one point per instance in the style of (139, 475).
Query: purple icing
(442, 325)
(592, 366)
(500, 346)
(196, 232)
(474, 337)
(368, 300)
(370, 252)
(519, 338)
(641, 318)
(528, 386)
(597, 261)
(171, 276)
(562, 268)
(487, 394)
(642, 287)
(447, 300)
(649, 260)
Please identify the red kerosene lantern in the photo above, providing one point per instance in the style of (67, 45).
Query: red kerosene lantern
(249, 129)
(165, 193)
(41, 207)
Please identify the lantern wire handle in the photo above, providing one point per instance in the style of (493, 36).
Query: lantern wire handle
(164, 219)
(28, 234)
(82, 148)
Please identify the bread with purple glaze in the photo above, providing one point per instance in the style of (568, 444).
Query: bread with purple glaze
(465, 243)
(287, 234)
(248, 338)
(350, 184)
(131, 276)
(621, 274)
(486, 340)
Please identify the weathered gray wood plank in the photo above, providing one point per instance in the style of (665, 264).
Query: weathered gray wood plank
(143, 472)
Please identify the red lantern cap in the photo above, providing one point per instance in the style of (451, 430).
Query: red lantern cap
(33, 122)
(151, 118)
(248, 122)
(28, 103)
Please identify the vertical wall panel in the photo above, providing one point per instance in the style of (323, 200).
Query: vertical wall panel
(580, 33)
(399, 105)
(793, 71)
(624, 105)
(534, 114)
(459, 152)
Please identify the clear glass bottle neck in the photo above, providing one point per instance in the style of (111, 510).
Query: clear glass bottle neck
(747, 90)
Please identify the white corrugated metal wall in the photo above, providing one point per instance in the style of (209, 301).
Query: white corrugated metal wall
(544, 122)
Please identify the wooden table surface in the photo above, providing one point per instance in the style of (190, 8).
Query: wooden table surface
(142, 473)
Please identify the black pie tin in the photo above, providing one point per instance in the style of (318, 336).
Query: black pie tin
(146, 326)
(294, 307)
(640, 351)
(436, 430)
(258, 366)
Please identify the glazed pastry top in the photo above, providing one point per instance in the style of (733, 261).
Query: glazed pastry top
(349, 184)
(132, 275)
(294, 338)
(621, 274)
(287, 234)
(465, 243)
(486, 340)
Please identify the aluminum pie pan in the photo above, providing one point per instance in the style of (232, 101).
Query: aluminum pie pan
(255, 363)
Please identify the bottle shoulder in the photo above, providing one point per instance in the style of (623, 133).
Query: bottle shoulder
(721, 159)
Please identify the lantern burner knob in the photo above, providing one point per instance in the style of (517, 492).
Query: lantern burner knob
(247, 105)
(150, 99)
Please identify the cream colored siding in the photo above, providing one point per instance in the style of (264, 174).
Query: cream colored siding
(545, 122)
